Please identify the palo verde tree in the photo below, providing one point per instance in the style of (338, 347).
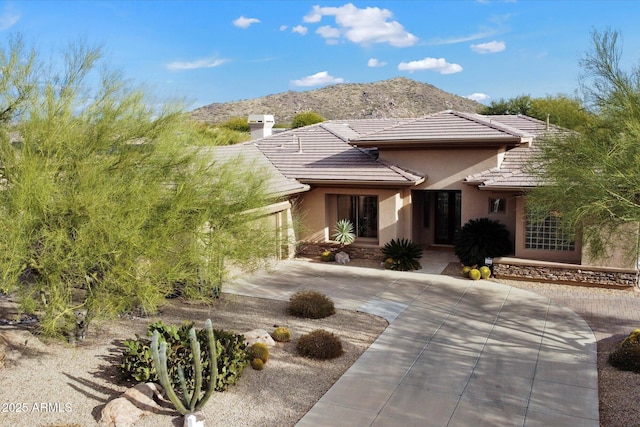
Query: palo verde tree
(592, 179)
(106, 204)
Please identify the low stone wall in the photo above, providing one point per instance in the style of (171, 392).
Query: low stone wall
(563, 273)
(354, 250)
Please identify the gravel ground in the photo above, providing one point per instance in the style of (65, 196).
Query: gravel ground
(74, 383)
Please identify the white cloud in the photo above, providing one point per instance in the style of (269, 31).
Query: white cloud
(363, 26)
(373, 62)
(8, 18)
(439, 65)
(479, 97)
(300, 29)
(328, 32)
(194, 65)
(283, 27)
(489, 47)
(243, 22)
(462, 39)
(318, 79)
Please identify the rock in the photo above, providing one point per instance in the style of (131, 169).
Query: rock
(258, 335)
(134, 403)
(342, 258)
(194, 420)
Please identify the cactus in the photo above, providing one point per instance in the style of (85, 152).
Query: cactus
(281, 334)
(259, 351)
(192, 400)
(257, 364)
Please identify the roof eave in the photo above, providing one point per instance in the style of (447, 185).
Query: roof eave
(361, 183)
(443, 143)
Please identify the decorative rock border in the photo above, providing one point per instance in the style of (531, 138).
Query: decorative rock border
(354, 250)
(510, 268)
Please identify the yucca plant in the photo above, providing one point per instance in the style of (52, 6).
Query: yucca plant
(481, 238)
(344, 232)
(402, 255)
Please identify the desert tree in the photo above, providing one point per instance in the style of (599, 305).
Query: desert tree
(107, 203)
(591, 179)
(305, 119)
(563, 110)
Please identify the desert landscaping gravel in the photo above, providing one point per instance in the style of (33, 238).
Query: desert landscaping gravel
(63, 385)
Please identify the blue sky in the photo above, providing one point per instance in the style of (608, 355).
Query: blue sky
(219, 51)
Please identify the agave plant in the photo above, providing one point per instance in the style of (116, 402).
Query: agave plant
(481, 238)
(344, 232)
(402, 255)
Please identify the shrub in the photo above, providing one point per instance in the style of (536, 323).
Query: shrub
(481, 238)
(404, 255)
(259, 351)
(281, 334)
(320, 344)
(627, 356)
(626, 359)
(305, 119)
(232, 358)
(343, 233)
(311, 304)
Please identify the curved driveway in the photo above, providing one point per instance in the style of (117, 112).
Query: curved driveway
(456, 353)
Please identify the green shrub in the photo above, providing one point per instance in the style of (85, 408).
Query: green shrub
(320, 344)
(343, 232)
(305, 119)
(232, 357)
(281, 334)
(402, 255)
(481, 238)
(259, 351)
(311, 304)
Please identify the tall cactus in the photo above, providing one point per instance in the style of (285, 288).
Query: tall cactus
(192, 400)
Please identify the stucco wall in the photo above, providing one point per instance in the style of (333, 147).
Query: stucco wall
(319, 212)
(538, 254)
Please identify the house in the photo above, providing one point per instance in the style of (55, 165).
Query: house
(422, 179)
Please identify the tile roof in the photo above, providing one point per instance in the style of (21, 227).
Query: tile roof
(277, 183)
(332, 152)
(321, 154)
(446, 129)
(514, 172)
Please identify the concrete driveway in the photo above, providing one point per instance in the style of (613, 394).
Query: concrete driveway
(456, 353)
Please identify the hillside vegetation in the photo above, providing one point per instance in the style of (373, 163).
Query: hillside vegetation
(395, 98)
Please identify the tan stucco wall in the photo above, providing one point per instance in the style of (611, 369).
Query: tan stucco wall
(538, 254)
(621, 250)
(446, 170)
(319, 212)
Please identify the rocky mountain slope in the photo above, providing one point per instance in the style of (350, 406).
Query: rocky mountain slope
(395, 98)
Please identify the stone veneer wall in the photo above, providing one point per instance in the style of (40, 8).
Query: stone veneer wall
(354, 251)
(564, 273)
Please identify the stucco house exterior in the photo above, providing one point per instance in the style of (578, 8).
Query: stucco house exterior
(422, 179)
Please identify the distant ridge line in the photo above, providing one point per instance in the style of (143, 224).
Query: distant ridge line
(398, 97)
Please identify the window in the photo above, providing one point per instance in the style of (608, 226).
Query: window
(497, 206)
(546, 235)
(362, 211)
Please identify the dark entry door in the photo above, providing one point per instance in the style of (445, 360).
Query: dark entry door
(447, 216)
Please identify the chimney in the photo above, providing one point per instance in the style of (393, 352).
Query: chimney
(260, 125)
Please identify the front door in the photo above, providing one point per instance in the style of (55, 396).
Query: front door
(447, 216)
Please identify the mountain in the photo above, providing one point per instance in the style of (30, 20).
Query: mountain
(395, 98)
